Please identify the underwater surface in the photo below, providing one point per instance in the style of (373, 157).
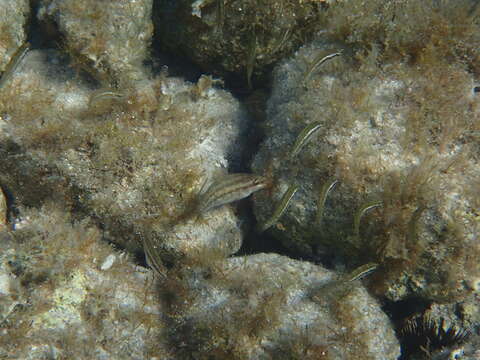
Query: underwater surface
(219, 179)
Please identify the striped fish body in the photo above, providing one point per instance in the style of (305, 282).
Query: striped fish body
(229, 188)
(304, 137)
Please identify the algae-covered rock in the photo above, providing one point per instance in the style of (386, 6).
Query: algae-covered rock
(3, 210)
(241, 37)
(268, 306)
(108, 39)
(66, 294)
(383, 151)
(13, 23)
(134, 158)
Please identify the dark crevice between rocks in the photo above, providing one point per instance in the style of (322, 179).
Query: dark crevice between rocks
(255, 242)
(45, 34)
(42, 34)
(176, 66)
(254, 101)
(400, 310)
(37, 35)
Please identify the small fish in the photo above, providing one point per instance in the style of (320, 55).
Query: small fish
(220, 16)
(251, 57)
(359, 214)
(14, 62)
(103, 98)
(303, 138)
(229, 188)
(280, 209)
(326, 188)
(360, 272)
(315, 64)
(339, 288)
(282, 41)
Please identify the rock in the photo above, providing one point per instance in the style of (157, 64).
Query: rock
(241, 37)
(62, 301)
(262, 307)
(134, 158)
(394, 138)
(109, 39)
(217, 230)
(3, 210)
(13, 17)
(60, 304)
